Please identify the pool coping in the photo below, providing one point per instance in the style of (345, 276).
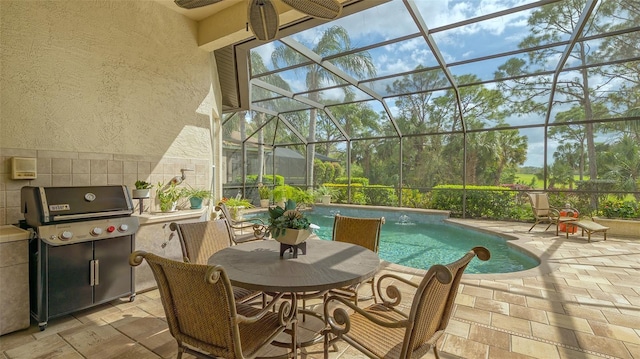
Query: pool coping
(518, 243)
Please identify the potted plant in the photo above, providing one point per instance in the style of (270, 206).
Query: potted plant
(236, 205)
(168, 196)
(325, 194)
(303, 198)
(196, 196)
(142, 189)
(265, 195)
(288, 225)
(280, 195)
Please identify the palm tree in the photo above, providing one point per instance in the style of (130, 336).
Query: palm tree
(334, 40)
(258, 66)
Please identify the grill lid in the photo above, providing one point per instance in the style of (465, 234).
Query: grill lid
(45, 205)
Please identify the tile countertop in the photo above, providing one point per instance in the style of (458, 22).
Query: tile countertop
(10, 233)
(161, 217)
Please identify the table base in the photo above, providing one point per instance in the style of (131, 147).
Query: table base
(294, 248)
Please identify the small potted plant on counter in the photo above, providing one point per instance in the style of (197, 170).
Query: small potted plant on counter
(196, 196)
(168, 196)
(142, 189)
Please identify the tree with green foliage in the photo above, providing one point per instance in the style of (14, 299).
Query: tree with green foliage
(529, 92)
(510, 152)
(334, 40)
(622, 163)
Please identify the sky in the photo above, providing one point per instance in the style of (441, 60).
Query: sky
(391, 20)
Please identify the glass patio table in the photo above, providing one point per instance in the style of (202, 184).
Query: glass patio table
(326, 265)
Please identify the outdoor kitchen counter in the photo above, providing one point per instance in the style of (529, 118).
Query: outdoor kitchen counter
(155, 236)
(161, 217)
(14, 279)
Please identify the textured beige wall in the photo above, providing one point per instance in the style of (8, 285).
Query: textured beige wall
(102, 92)
(122, 77)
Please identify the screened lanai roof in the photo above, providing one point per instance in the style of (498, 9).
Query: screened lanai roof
(446, 51)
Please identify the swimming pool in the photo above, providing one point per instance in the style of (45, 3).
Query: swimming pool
(421, 240)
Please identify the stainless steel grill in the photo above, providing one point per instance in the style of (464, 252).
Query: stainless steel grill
(79, 253)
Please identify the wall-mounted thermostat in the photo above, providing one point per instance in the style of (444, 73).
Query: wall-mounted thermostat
(24, 168)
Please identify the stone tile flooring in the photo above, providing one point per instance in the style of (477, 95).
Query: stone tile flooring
(583, 301)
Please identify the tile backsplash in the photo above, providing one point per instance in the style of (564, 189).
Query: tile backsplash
(58, 169)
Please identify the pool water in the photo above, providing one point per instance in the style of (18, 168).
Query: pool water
(420, 245)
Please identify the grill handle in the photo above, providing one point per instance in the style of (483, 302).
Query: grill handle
(92, 215)
(97, 271)
(94, 269)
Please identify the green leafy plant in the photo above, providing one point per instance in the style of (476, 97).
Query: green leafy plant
(325, 191)
(620, 209)
(197, 193)
(143, 185)
(281, 192)
(264, 191)
(237, 202)
(301, 196)
(281, 219)
(168, 194)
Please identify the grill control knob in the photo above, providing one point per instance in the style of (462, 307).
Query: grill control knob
(66, 235)
(123, 227)
(96, 231)
(110, 229)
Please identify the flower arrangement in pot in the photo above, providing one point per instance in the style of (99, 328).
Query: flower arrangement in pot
(142, 189)
(288, 225)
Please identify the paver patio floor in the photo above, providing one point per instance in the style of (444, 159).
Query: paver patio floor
(583, 301)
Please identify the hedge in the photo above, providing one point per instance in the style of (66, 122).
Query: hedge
(482, 201)
(266, 179)
(354, 180)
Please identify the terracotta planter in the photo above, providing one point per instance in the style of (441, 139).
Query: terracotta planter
(620, 227)
(293, 236)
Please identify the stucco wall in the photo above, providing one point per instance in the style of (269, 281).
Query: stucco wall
(90, 83)
(123, 77)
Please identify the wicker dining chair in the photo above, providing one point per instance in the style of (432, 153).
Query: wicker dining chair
(256, 226)
(200, 240)
(364, 232)
(203, 316)
(384, 331)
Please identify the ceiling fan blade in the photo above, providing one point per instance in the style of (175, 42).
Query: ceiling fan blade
(192, 4)
(322, 9)
(263, 19)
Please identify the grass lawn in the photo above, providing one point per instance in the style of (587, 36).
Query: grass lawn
(526, 179)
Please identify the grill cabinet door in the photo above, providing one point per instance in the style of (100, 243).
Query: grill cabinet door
(114, 274)
(68, 278)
